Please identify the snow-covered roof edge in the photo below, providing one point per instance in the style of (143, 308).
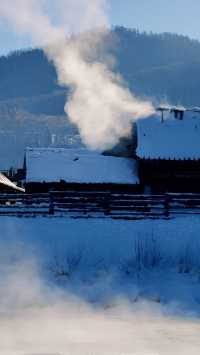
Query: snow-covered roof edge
(5, 181)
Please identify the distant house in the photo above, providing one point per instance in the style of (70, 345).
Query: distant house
(168, 150)
(8, 186)
(59, 169)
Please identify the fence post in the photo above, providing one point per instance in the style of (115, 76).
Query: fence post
(51, 204)
(167, 205)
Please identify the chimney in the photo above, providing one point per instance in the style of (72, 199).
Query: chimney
(178, 113)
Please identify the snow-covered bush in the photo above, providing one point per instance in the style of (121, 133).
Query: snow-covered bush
(67, 264)
(146, 254)
(96, 246)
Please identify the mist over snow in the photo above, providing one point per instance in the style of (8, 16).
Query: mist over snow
(100, 104)
(92, 289)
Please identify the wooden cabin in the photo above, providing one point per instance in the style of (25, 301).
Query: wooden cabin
(168, 150)
(58, 169)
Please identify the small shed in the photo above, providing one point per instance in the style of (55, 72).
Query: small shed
(60, 169)
(168, 150)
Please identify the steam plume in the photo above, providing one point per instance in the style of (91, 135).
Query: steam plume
(99, 104)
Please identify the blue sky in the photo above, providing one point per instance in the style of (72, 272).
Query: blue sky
(177, 16)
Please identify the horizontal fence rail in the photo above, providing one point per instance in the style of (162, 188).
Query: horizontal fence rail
(99, 204)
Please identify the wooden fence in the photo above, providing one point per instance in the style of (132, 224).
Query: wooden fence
(99, 204)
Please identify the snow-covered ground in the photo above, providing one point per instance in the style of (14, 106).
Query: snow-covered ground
(72, 328)
(99, 287)
(123, 252)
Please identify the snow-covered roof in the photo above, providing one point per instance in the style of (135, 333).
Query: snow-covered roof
(6, 182)
(78, 166)
(171, 139)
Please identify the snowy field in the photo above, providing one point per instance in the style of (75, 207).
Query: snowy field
(99, 287)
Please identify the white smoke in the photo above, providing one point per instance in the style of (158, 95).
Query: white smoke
(99, 105)
(26, 17)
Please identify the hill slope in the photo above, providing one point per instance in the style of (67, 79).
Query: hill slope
(163, 67)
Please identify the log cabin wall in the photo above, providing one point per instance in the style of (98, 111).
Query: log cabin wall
(170, 175)
(34, 187)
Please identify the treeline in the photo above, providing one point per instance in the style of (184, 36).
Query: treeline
(25, 74)
(162, 66)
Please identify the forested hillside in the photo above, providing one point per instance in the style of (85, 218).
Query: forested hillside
(163, 67)
(146, 61)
